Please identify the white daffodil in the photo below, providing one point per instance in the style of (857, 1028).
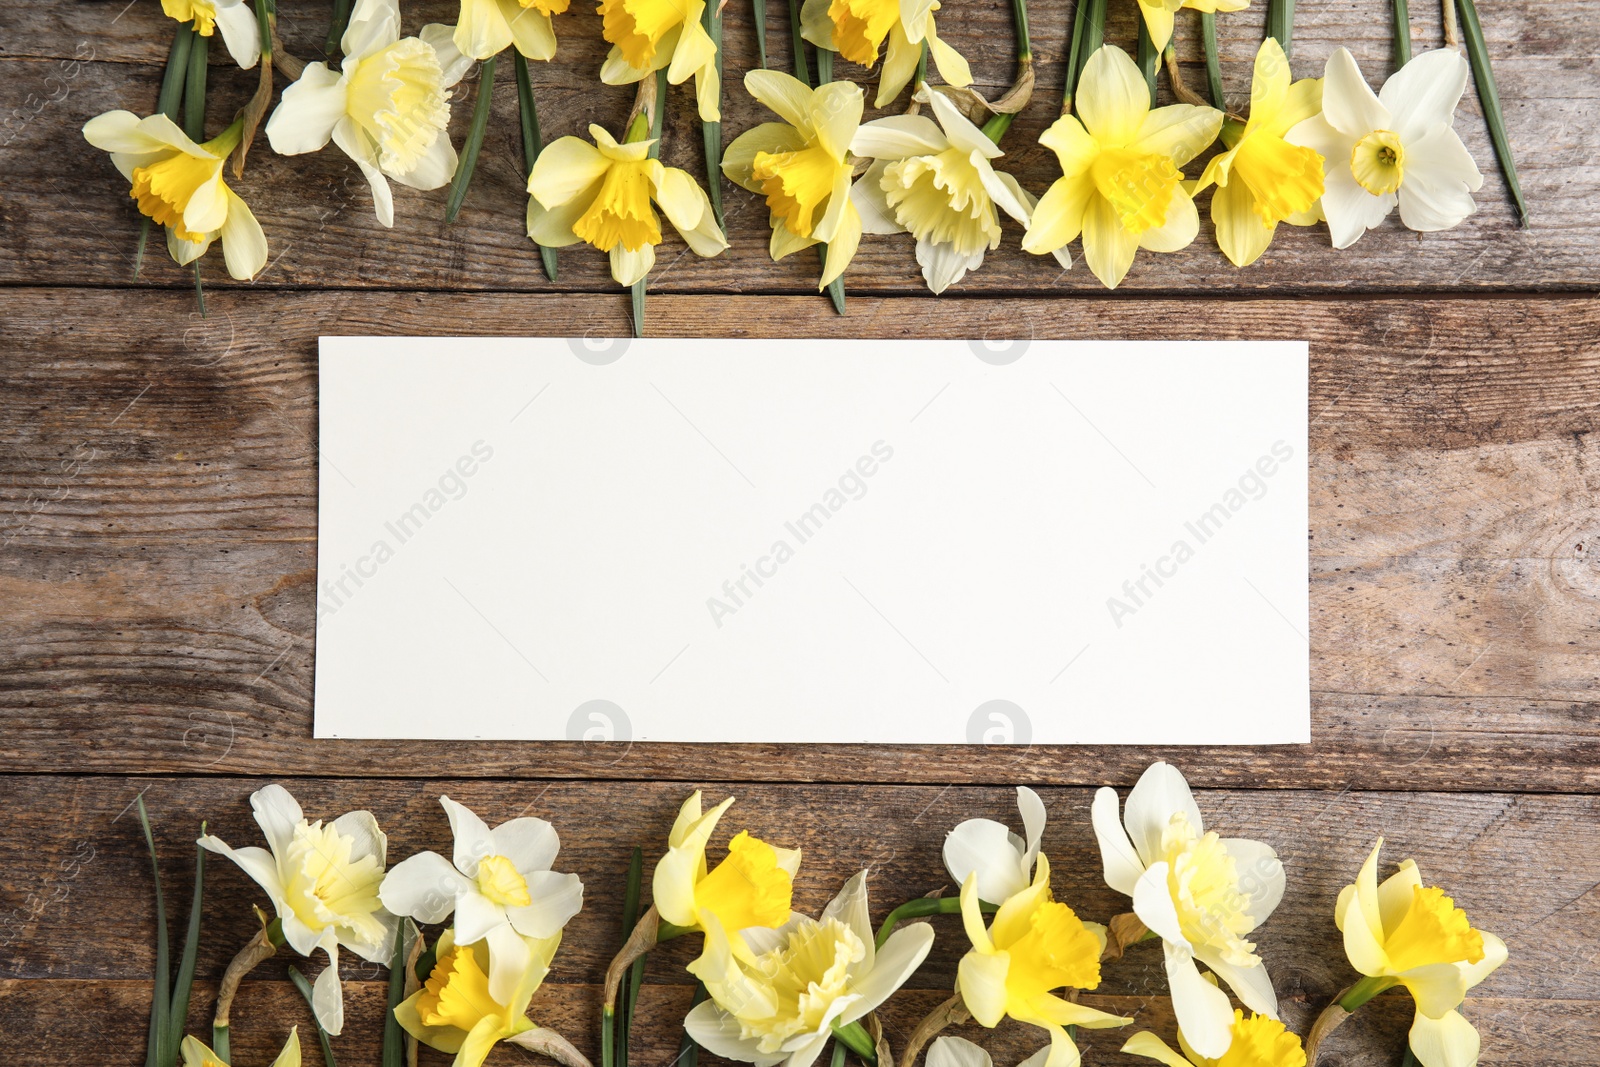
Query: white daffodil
(959, 1052)
(1396, 146)
(1002, 861)
(939, 185)
(486, 28)
(805, 977)
(323, 881)
(499, 885)
(179, 184)
(1405, 933)
(240, 31)
(1199, 892)
(857, 29)
(387, 108)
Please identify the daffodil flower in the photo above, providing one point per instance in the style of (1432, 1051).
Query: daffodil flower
(323, 881)
(1259, 1041)
(939, 185)
(646, 35)
(1035, 945)
(1002, 861)
(1199, 892)
(802, 165)
(388, 108)
(1158, 15)
(959, 1052)
(197, 1053)
(1398, 146)
(499, 885)
(1404, 933)
(237, 22)
(803, 979)
(857, 29)
(602, 193)
(752, 887)
(1262, 179)
(486, 28)
(455, 1010)
(178, 184)
(1120, 185)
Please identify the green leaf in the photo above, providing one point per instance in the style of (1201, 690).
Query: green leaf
(1074, 62)
(758, 8)
(854, 1035)
(711, 132)
(798, 43)
(194, 90)
(532, 142)
(1489, 95)
(1147, 57)
(1208, 38)
(177, 70)
(630, 985)
(394, 1046)
(158, 1053)
(184, 985)
(1402, 33)
(304, 986)
(825, 66)
(839, 1051)
(474, 141)
(220, 1043)
(1280, 24)
(336, 26)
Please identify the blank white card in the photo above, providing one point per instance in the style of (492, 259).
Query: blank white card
(813, 541)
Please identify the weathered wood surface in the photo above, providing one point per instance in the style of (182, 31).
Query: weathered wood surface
(65, 217)
(159, 548)
(1523, 866)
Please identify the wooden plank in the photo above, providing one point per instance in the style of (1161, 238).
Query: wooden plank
(99, 1022)
(159, 537)
(74, 897)
(67, 219)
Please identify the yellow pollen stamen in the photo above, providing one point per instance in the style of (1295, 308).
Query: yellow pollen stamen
(621, 212)
(1433, 930)
(1378, 162)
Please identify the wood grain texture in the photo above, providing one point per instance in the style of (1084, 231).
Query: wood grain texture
(159, 548)
(67, 220)
(1525, 867)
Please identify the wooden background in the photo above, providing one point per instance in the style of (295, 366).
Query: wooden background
(158, 536)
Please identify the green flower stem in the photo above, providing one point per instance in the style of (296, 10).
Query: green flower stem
(1088, 34)
(667, 931)
(630, 918)
(922, 68)
(474, 141)
(1147, 59)
(1019, 17)
(1208, 39)
(608, 1037)
(1280, 23)
(824, 66)
(1364, 991)
(304, 986)
(758, 9)
(220, 1044)
(183, 986)
(1408, 1058)
(532, 141)
(158, 1053)
(1489, 95)
(1402, 33)
(839, 1050)
(194, 89)
(997, 126)
(856, 1037)
(336, 26)
(656, 122)
(923, 907)
(394, 1054)
(798, 42)
(265, 13)
(167, 102)
(711, 132)
(1075, 43)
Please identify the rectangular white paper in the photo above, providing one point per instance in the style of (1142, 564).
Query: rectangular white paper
(813, 541)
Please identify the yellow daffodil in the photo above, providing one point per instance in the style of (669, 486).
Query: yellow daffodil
(1201, 893)
(323, 881)
(1259, 1041)
(197, 1053)
(1396, 146)
(1262, 179)
(1158, 15)
(237, 22)
(646, 35)
(803, 979)
(1035, 945)
(488, 27)
(387, 109)
(1404, 933)
(857, 29)
(602, 194)
(1120, 185)
(802, 165)
(179, 184)
(498, 884)
(454, 1010)
(940, 186)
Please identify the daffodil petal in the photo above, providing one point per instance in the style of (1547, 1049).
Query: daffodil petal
(240, 33)
(1449, 1041)
(1181, 131)
(481, 30)
(1348, 102)
(531, 30)
(309, 110)
(566, 167)
(957, 1052)
(899, 958)
(424, 887)
(278, 814)
(898, 136)
(554, 899)
(1148, 1045)
(355, 144)
(1204, 1015)
(835, 115)
(981, 978)
(1055, 211)
(1160, 793)
(1422, 95)
(786, 96)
